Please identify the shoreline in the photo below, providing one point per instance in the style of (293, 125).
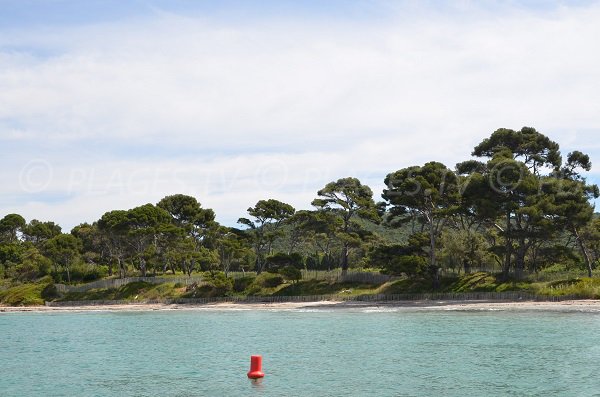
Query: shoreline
(584, 305)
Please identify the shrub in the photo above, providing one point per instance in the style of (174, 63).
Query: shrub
(280, 260)
(291, 273)
(410, 265)
(269, 280)
(240, 284)
(50, 292)
(264, 280)
(86, 272)
(25, 294)
(220, 284)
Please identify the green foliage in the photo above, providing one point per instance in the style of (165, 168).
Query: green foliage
(264, 284)
(86, 272)
(322, 287)
(348, 199)
(265, 227)
(429, 193)
(291, 273)
(268, 280)
(64, 250)
(479, 281)
(280, 260)
(38, 232)
(232, 250)
(32, 266)
(485, 282)
(401, 259)
(407, 286)
(556, 256)
(585, 287)
(431, 190)
(242, 283)
(50, 292)
(136, 291)
(186, 211)
(520, 208)
(465, 249)
(208, 260)
(409, 265)
(220, 284)
(11, 254)
(534, 148)
(10, 226)
(25, 294)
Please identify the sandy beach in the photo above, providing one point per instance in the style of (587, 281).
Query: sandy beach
(591, 306)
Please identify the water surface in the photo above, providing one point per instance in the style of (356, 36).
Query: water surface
(306, 353)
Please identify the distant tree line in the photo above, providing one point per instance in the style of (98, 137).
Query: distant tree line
(518, 206)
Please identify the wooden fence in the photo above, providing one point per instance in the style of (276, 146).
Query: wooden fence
(119, 282)
(510, 296)
(350, 277)
(333, 276)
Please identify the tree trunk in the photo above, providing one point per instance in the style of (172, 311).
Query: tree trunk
(466, 266)
(520, 260)
(432, 262)
(345, 260)
(258, 265)
(584, 251)
(121, 268)
(68, 273)
(143, 267)
(508, 249)
(110, 266)
(190, 268)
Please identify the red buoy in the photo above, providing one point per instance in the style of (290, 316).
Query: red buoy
(255, 368)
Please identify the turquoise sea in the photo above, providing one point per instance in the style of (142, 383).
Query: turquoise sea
(316, 352)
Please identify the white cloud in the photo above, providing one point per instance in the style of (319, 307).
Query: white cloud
(279, 108)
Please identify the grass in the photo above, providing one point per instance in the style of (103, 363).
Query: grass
(130, 292)
(486, 282)
(25, 294)
(322, 287)
(584, 287)
(272, 285)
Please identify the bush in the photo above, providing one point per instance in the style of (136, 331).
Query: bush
(25, 294)
(291, 273)
(280, 260)
(240, 284)
(50, 292)
(410, 265)
(220, 284)
(269, 280)
(264, 280)
(86, 272)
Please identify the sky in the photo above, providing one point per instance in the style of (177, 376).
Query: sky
(113, 104)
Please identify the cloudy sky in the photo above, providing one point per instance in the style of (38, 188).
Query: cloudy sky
(113, 104)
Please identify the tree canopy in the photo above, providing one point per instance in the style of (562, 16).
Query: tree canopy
(515, 206)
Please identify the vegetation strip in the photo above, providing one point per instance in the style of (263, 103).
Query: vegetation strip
(516, 213)
(475, 296)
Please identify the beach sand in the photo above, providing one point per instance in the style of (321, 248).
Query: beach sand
(591, 306)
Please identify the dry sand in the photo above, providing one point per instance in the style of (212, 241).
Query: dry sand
(591, 306)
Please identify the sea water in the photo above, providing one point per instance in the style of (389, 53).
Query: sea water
(324, 352)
